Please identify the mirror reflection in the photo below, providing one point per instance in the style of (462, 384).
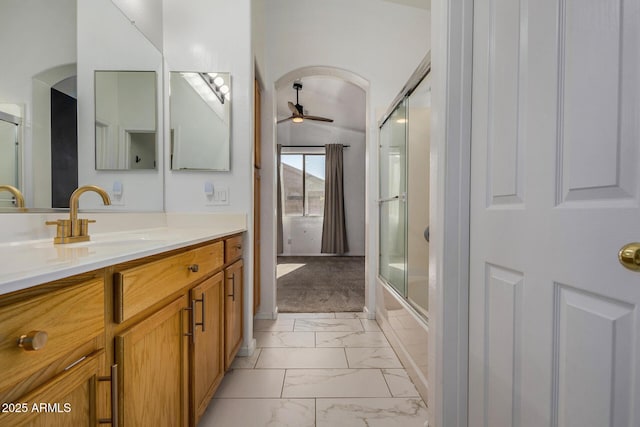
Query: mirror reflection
(200, 111)
(125, 120)
(38, 38)
(56, 147)
(9, 157)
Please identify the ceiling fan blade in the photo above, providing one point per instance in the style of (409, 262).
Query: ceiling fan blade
(293, 108)
(319, 119)
(284, 120)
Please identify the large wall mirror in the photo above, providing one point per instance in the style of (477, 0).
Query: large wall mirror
(49, 76)
(200, 117)
(126, 129)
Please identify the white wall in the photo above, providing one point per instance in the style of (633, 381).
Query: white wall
(107, 40)
(213, 36)
(306, 233)
(380, 41)
(147, 17)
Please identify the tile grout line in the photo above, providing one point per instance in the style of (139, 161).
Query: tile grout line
(284, 378)
(384, 377)
(346, 358)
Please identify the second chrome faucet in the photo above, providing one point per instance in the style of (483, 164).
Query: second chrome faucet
(74, 230)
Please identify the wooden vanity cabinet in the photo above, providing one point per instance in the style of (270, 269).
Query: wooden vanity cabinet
(233, 322)
(206, 347)
(166, 326)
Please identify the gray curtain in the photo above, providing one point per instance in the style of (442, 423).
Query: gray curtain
(334, 231)
(279, 204)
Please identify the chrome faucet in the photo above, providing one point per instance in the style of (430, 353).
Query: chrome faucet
(74, 230)
(16, 193)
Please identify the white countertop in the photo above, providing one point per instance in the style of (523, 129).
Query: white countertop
(28, 263)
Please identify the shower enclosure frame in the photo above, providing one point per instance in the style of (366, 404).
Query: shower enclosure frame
(395, 245)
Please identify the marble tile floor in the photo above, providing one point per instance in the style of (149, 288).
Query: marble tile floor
(317, 369)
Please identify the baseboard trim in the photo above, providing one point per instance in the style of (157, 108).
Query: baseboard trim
(247, 350)
(370, 315)
(419, 380)
(265, 316)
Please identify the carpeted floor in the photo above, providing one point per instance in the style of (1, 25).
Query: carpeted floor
(320, 284)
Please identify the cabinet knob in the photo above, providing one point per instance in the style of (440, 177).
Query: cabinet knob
(33, 341)
(194, 268)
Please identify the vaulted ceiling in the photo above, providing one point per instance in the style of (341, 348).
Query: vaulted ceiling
(332, 97)
(329, 97)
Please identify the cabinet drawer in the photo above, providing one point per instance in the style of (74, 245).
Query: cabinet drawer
(69, 397)
(70, 317)
(138, 288)
(232, 249)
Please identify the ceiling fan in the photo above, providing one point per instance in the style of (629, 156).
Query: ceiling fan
(297, 112)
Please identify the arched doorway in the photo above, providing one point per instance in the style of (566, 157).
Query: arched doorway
(342, 96)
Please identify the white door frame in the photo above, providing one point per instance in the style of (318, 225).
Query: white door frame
(451, 65)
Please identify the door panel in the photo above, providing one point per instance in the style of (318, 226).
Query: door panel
(592, 336)
(504, 104)
(554, 196)
(598, 126)
(503, 340)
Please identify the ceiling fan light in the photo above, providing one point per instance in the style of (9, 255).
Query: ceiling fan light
(297, 120)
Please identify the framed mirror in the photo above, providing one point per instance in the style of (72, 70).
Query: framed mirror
(126, 129)
(200, 119)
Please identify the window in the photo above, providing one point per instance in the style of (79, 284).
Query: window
(302, 184)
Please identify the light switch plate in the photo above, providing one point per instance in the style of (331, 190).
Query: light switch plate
(220, 197)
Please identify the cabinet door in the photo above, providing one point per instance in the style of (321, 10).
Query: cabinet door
(152, 360)
(68, 399)
(233, 311)
(207, 347)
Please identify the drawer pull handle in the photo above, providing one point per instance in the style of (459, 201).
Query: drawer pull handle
(201, 323)
(238, 246)
(194, 268)
(192, 309)
(233, 287)
(113, 379)
(33, 341)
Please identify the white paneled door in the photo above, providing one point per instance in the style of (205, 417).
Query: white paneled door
(554, 323)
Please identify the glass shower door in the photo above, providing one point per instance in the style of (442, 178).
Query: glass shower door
(392, 207)
(418, 146)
